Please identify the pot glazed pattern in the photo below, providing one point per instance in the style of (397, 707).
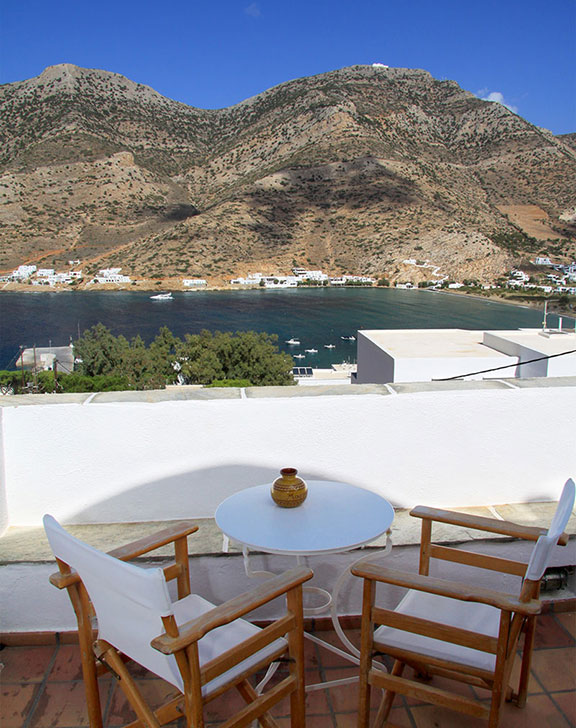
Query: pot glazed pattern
(289, 490)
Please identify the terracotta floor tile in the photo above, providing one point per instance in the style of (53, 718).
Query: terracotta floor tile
(540, 712)
(550, 633)
(311, 656)
(399, 717)
(331, 659)
(16, 701)
(25, 664)
(431, 716)
(225, 706)
(62, 704)
(555, 669)
(344, 698)
(316, 704)
(67, 665)
(154, 691)
(318, 721)
(567, 704)
(568, 621)
(346, 720)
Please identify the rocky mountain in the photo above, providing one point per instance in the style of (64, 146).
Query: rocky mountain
(352, 171)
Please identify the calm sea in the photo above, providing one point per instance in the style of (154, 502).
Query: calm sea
(316, 317)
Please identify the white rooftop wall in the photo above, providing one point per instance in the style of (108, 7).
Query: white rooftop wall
(138, 461)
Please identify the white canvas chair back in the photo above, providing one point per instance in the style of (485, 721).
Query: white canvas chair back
(129, 601)
(544, 547)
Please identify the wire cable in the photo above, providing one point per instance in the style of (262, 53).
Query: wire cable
(506, 366)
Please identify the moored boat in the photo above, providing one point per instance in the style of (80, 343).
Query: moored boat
(165, 296)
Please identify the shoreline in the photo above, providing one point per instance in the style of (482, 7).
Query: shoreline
(534, 305)
(155, 288)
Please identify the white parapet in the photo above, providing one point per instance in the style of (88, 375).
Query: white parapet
(118, 458)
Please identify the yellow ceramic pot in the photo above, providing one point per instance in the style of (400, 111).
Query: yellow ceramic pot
(289, 490)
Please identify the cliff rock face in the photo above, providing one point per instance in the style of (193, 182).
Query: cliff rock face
(352, 171)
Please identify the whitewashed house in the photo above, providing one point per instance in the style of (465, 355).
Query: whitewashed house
(23, 272)
(111, 275)
(194, 282)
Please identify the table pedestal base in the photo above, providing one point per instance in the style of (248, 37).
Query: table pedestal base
(331, 601)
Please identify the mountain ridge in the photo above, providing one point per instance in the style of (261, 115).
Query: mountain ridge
(353, 170)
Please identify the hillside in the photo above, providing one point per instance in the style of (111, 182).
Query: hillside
(351, 171)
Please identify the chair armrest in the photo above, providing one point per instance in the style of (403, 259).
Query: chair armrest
(134, 549)
(154, 541)
(233, 609)
(445, 588)
(482, 523)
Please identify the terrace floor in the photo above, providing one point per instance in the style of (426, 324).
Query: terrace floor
(41, 687)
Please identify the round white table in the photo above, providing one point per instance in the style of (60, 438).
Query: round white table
(335, 517)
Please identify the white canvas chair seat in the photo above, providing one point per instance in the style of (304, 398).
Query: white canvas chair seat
(218, 641)
(199, 648)
(453, 629)
(479, 618)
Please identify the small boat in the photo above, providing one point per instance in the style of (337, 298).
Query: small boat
(293, 341)
(299, 356)
(167, 296)
(311, 351)
(329, 346)
(348, 338)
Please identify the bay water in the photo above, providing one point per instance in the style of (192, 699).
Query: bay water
(317, 317)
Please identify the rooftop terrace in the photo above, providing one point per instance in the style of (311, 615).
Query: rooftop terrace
(115, 466)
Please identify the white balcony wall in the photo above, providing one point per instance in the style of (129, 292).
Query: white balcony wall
(138, 461)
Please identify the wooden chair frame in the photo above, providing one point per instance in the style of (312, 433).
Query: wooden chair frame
(518, 614)
(98, 656)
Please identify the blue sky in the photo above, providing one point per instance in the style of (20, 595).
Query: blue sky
(215, 54)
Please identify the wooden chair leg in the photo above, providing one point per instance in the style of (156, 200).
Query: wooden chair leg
(249, 694)
(296, 652)
(366, 648)
(388, 697)
(528, 647)
(500, 673)
(89, 674)
(110, 657)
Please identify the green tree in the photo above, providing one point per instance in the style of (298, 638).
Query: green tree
(100, 351)
(110, 362)
(140, 368)
(207, 356)
(163, 353)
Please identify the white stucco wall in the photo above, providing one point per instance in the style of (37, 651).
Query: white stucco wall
(375, 366)
(409, 363)
(3, 503)
(123, 462)
(427, 369)
(523, 353)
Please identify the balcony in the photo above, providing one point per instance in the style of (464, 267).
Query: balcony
(115, 466)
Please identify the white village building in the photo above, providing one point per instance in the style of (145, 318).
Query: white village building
(424, 355)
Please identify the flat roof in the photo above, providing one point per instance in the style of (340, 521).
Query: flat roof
(432, 343)
(552, 342)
